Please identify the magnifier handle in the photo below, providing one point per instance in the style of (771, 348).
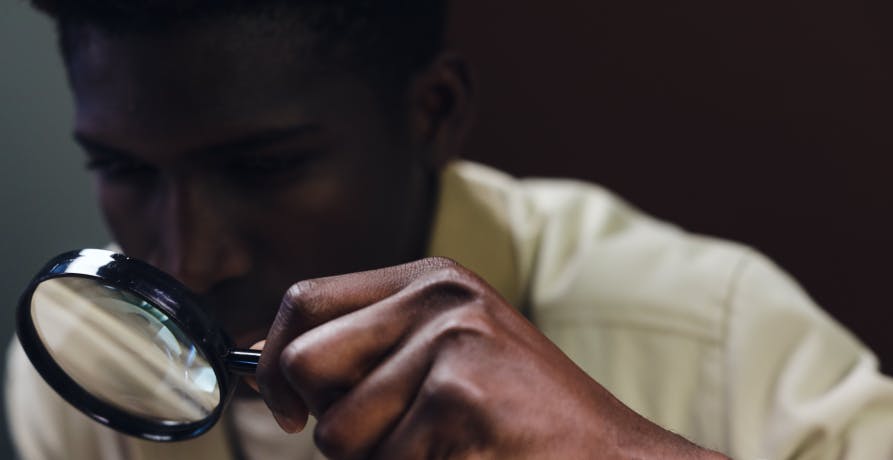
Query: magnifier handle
(242, 362)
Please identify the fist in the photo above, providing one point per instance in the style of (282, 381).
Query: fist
(425, 360)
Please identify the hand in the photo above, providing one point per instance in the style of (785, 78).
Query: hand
(425, 360)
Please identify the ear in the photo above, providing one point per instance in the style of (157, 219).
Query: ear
(441, 108)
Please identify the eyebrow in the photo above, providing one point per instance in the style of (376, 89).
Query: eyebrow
(230, 147)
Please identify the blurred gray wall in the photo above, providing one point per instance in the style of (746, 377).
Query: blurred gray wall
(45, 193)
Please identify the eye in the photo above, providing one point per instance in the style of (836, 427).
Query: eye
(267, 164)
(267, 169)
(119, 168)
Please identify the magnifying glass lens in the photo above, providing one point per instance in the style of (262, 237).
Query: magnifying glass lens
(123, 350)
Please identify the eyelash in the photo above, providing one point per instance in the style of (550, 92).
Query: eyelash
(268, 171)
(249, 170)
(266, 165)
(113, 168)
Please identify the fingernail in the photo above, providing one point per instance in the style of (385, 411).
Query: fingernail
(286, 423)
(251, 382)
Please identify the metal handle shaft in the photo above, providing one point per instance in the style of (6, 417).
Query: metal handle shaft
(242, 362)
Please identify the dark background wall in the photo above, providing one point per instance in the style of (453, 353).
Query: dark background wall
(46, 204)
(768, 122)
(765, 121)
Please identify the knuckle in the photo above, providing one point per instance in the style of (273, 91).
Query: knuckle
(448, 285)
(299, 293)
(460, 324)
(297, 361)
(442, 279)
(447, 387)
(307, 368)
(449, 270)
(447, 288)
(300, 302)
(294, 370)
(439, 262)
(329, 438)
(295, 354)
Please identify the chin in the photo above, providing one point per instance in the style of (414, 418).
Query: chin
(244, 326)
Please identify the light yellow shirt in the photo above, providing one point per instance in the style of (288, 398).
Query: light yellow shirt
(706, 338)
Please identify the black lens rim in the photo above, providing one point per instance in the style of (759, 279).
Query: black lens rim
(159, 289)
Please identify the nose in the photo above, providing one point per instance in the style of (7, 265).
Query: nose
(198, 241)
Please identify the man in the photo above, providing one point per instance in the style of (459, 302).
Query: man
(294, 163)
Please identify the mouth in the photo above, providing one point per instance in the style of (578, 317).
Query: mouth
(242, 321)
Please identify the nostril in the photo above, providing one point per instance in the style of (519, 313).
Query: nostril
(201, 272)
(199, 276)
(195, 283)
(174, 266)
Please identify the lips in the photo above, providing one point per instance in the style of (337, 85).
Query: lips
(245, 314)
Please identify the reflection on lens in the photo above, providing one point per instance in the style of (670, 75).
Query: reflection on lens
(123, 350)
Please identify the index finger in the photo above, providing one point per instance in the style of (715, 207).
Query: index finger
(308, 304)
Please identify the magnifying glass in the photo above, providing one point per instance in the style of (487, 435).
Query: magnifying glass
(129, 346)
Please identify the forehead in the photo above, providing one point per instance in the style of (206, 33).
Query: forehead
(220, 75)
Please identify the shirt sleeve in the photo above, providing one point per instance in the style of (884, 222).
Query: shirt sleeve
(800, 386)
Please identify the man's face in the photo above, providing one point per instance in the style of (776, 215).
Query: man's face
(235, 161)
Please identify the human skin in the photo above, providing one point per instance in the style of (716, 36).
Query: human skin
(229, 158)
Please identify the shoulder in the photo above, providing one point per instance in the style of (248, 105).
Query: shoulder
(579, 252)
(639, 304)
(599, 258)
(706, 337)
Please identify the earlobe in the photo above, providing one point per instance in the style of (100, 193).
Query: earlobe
(441, 108)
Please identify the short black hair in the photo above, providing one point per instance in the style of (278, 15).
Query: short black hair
(390, 39)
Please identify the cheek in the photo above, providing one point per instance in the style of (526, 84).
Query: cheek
(336, 224)
(329, 212)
